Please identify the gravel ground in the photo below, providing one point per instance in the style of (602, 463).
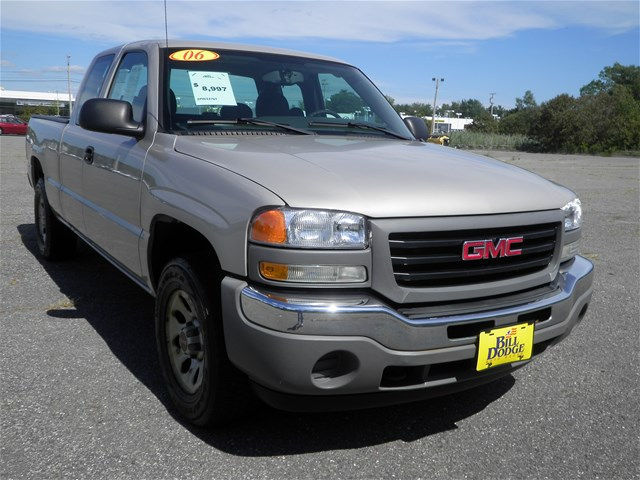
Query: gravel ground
(82, 396)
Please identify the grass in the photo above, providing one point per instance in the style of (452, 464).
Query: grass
(491, 141)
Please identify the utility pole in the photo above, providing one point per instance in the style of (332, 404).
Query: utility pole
(69, 82)
(435, 100)
(491, 102)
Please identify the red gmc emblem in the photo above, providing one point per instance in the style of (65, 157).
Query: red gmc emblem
(483, 249)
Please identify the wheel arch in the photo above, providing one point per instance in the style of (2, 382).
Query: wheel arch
(170, 237)
(35, 170)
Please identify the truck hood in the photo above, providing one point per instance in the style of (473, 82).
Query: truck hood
(379, 178)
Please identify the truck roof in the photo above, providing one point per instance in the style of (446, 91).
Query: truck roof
(227, 46)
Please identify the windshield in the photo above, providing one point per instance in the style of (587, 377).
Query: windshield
(209, 90)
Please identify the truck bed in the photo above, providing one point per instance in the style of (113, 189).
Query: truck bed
(52, 118)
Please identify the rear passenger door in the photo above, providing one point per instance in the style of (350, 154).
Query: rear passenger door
(74, 141)
(112, 179)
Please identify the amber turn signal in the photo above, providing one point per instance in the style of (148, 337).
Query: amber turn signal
(313, 273)
(269, 227)
(274, 271)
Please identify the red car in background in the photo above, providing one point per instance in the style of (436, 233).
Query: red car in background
(12, 124)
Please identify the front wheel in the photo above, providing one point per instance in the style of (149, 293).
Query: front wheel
(204, 386)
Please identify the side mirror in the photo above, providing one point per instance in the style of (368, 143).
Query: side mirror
(417, 127)
(109, 116)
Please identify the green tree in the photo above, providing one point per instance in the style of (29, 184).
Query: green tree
(603, 122)
(555, 124)
(344, 102)
(484, 122)
(616, 74)
(26, 112)
(519, 121)
(606, 122)
(390, 99)
(499, 110)
(527, 101)
(469, 108)
(592, 88)
(416, 109)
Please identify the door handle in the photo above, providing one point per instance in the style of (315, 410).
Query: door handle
(88, 155)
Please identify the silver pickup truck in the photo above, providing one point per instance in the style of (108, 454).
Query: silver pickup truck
(300, 240)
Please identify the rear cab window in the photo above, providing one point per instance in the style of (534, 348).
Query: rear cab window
(93, 81)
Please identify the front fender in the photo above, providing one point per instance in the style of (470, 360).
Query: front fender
(210, 199)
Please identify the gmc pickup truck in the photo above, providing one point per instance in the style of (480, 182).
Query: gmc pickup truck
(300, 239)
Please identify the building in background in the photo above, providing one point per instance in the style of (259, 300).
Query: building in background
(18, 102)
(445, 125)
(448, 124)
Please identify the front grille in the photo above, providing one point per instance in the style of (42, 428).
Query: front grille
(434, 259)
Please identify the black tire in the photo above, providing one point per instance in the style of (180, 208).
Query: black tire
(55, 240)
(223, 391)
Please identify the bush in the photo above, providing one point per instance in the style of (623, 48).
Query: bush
(519, 121)
(482, 140)
(484, 123)
(593, 123)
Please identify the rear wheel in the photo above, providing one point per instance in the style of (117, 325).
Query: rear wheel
(55, 240)
(204, 386)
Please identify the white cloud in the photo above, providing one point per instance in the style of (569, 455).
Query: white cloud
(388, 21)
(6, 63)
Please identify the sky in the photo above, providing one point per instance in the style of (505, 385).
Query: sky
(506, 47)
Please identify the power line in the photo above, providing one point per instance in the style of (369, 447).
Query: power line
(31, 72)
(3, 79)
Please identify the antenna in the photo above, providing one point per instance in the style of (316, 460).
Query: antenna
(166, 29)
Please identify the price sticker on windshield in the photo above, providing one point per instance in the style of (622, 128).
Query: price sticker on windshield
(212, 88)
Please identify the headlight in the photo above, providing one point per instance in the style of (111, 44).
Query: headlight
(572, 215)
(297, 228)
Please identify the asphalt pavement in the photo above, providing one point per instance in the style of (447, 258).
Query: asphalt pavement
(82, 396)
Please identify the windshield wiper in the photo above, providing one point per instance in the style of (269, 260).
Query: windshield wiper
(357, 125)
(250, 121)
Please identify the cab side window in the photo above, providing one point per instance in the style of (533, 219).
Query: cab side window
(130, 83)
(93, 83)
(341, 98)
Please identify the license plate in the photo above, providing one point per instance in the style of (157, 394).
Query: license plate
(505, 345)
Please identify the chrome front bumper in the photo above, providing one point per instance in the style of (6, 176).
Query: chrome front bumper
(279, 339)
(365, 315)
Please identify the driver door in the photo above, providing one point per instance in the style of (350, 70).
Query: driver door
(112, 180)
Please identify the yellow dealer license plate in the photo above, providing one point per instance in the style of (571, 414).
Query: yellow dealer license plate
(505, 345)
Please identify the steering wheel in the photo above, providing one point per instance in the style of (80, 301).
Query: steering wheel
(326, 112)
